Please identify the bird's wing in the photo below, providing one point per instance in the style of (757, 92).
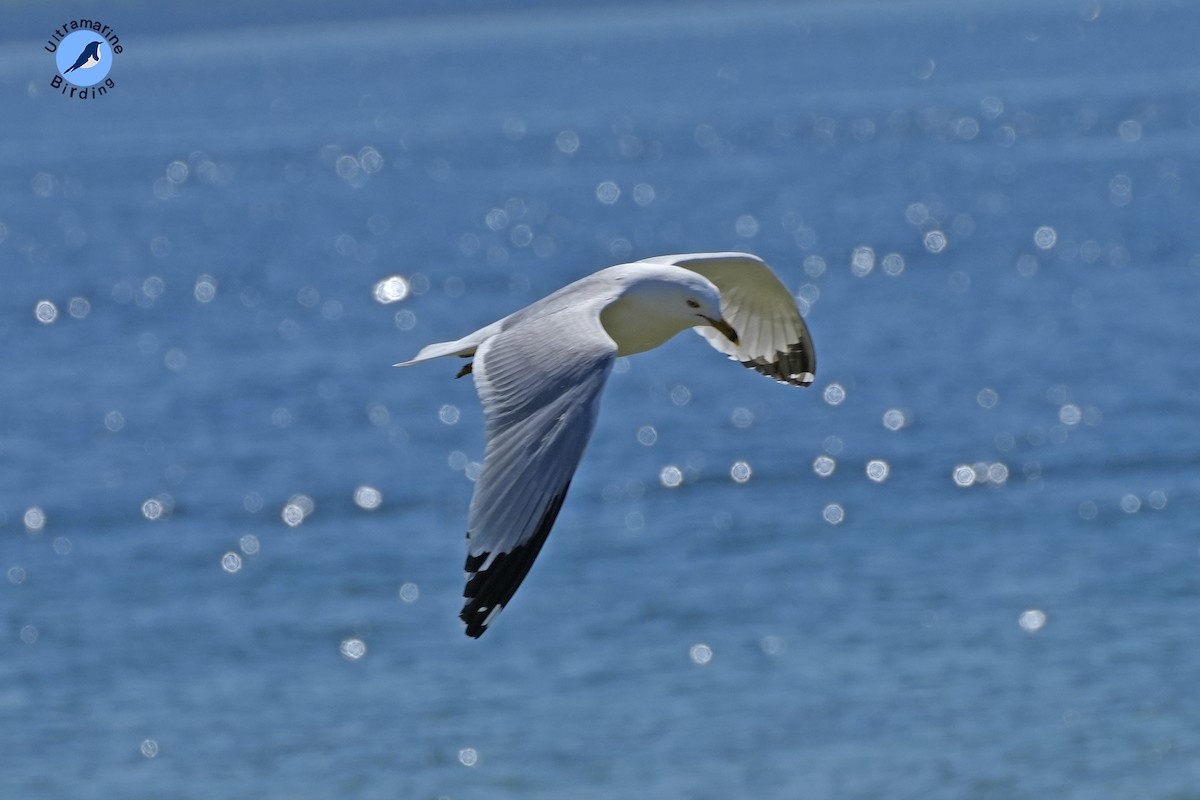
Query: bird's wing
(772, 336)
(540, 384)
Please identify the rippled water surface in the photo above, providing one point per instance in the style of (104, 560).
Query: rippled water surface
(964, 564)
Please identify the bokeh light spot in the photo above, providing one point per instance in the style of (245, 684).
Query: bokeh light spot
(670, 476)
(742, 418)
(45, 312)
(935, 241)
(647, 435)
(392, 289)
(700, 654)
(878, 470)
(34, 519)
(1032, 621)
(368, 497)
(964, 475)
(608, 193)
(1045, 237)
(353, 649)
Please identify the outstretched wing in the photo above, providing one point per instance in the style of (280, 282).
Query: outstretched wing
(772, 336)
(540, 384)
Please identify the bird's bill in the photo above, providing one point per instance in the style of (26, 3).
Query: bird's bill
(725, 328)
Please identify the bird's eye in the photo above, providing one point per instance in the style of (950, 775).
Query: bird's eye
(693, 304)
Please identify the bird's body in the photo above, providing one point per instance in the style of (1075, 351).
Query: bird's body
(540, 370)
(89, 58)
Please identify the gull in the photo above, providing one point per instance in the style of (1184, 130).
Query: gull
(539, 372)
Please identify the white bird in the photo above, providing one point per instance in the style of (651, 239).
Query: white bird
(539, 372)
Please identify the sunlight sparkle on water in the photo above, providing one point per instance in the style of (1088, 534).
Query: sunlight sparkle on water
(746, 226)
(567, 142)
(935, 242)
(700, 653)
(297, 508)
(392, 289)
(231, 562)
(608, 192)
(1032, 620)
(34, 519)
(894, 419)
(468, 756)
(368, 497)
(148, 748)
(964, 476)
(647, 435)
(834, 394)
(406, 320)
(862, 261)
(824, 466)
(1130, 130)
(46, 312)
(740, 472)
(206, 289)
(1045, 237)
(833, 513)
(681, 395)
(152, 509)
(771, 645)
(670, 476)
(1070, 414)
(409, 592)
(877, 470)
(353, 649)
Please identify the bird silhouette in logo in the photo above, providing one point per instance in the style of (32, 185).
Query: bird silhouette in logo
(89, 58)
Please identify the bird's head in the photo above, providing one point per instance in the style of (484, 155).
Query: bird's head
(660, 301)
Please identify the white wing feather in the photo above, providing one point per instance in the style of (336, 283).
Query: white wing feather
(773, 338)
(540, 402)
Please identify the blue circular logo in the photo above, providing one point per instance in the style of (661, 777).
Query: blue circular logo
(84, 58)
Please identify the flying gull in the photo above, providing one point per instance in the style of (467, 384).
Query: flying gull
(539, 372)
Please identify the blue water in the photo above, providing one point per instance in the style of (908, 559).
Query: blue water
(210, 234)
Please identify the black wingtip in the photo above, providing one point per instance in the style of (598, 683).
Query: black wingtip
(488, 590)
(798, 366)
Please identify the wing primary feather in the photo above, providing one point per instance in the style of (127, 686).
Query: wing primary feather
(496, 585)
